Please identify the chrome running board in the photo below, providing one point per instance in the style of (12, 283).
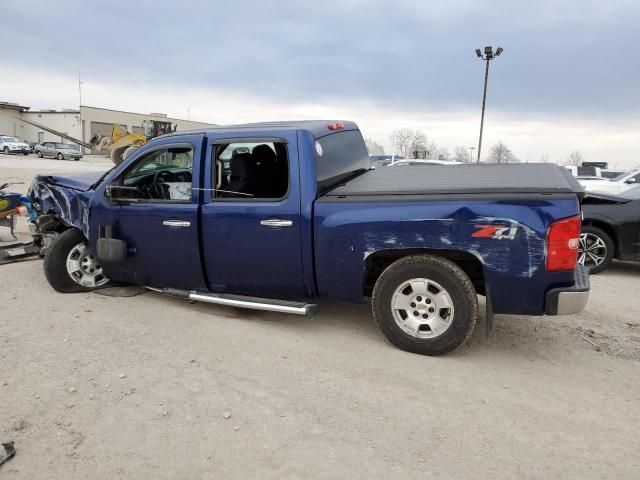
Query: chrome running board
(241, 301)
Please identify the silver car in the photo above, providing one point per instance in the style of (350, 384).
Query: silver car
(61, 151)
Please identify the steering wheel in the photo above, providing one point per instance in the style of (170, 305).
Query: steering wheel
(158, 180)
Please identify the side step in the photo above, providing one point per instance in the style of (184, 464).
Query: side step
(255, 303)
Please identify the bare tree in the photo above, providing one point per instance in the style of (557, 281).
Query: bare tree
(418, 143)
(373, 147)
(401, 140)
(575, 158)
(410, 143)
(461, 154)
(500, 153)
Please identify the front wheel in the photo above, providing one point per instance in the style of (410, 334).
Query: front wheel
(60, 156)
(39, 154)
(595, 250)
(425, 304)
(6, 150)
(70, 266)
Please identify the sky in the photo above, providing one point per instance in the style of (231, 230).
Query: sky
(568, 78)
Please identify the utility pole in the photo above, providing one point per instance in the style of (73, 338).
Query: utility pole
(488, 56)
(80, 108)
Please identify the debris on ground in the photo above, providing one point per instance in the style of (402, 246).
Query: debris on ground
(9, 450)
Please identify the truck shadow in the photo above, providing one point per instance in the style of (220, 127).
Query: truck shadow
(512, 336)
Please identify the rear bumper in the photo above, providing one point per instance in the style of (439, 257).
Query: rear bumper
(568, 300)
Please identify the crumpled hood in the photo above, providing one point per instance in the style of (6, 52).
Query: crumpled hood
(80, 181)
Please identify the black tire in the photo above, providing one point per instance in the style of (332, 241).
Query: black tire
(25, 153)
(60, 156)
(608, 254)
(116, 155)
(39, 154)
(452, 279)
(129, 151)
(55, 263)
(6, 150)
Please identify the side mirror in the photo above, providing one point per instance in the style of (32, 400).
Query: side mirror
(631, 180)
(111, 249)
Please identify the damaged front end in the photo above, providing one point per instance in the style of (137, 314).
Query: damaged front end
(61, 203)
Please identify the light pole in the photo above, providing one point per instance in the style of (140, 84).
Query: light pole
(488, 56)
(471, 149)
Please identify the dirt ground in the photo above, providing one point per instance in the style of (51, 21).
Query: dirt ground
(152, 387)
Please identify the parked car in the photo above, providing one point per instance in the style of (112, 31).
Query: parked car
(418, 162)
(61, 151)
(13, 145)
(298, 214)
(29, 144)
(614, 186)
(383, 160)
(610, 229)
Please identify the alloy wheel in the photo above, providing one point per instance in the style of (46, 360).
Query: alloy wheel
(83, 267)
(592, 250)
(422, 308)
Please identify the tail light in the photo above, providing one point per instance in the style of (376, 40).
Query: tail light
(21, 210)
(563, 238)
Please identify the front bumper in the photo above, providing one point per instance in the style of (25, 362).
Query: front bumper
(568, 300)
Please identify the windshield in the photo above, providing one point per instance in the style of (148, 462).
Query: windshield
(9, 139)
(619, 177)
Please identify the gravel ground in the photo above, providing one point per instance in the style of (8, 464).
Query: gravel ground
(153, 387)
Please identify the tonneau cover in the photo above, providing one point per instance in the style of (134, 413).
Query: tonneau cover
(461, 179)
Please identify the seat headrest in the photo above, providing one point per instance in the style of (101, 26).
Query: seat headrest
(242, 164)
(263, 153)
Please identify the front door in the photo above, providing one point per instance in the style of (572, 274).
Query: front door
(251, 220)
(154, 209)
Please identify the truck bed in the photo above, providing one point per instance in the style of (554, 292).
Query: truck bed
(532, 178)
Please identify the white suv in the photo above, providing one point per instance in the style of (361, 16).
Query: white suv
(13, 145)
(614, 186)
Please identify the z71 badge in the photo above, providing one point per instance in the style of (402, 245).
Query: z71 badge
(500, 232)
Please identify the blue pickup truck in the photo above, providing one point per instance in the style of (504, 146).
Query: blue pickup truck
(273, 215)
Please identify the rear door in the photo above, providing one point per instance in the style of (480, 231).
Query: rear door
(251, 216)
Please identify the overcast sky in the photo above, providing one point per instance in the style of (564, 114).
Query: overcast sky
(569, 77)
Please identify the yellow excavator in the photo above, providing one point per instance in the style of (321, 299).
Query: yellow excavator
(122, 143)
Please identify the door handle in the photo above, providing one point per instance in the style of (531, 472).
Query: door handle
(276, 222)
(176, 223)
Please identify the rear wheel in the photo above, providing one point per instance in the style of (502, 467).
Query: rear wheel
(39, 154)
(60, 156)
(425, 304)
(595, 250)
(70, 266)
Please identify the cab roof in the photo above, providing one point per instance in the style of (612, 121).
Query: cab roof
(317, 128)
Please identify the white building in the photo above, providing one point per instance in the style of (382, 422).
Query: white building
(81, 124)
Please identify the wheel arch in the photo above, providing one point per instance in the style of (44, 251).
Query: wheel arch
(377, 262)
